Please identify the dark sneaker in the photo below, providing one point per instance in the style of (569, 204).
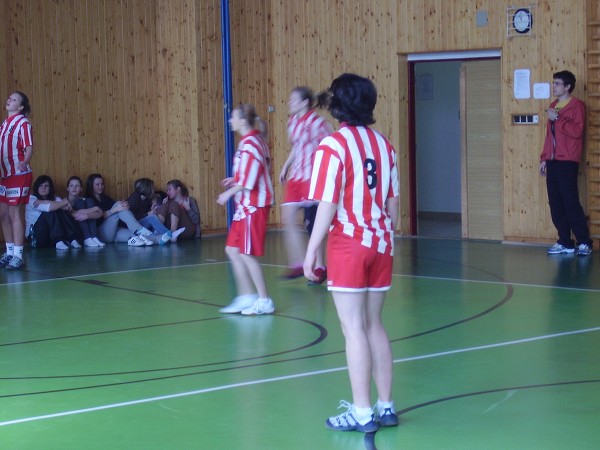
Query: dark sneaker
(558, 249)
(347, 422)
(5, 259)
(15, 263)
(584, 250)
(293, 272)
(387, 417)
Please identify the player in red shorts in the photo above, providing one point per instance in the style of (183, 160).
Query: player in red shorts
(252, 191)
(16, 149)
(355, 180)
(305, 128)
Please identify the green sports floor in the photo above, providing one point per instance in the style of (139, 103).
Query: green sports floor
(495, 347)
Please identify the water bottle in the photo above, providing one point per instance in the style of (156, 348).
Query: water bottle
(32, 238)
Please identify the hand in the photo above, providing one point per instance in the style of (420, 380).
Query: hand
(543, 168)
(283, 175)
(552, 114)
(227, 182)
(222, 198)
(79, 216)
(310, 261)
(22, 166)
(185, 203)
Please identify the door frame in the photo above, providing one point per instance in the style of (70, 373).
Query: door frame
(412, 59)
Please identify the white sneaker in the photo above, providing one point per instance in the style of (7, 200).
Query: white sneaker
(260, 306)
(239, 303)
(89, 242)
(146, 239)
(166, 237)
(176, 234)
(142, 231)
(98, 242)
(60, 245)
(136, 241)
(75, 244)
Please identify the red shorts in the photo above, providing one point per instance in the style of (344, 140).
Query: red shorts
(352, 267)
(249, 233)
(296, 191)
(14, 190)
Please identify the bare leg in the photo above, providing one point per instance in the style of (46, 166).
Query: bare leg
(293, 235)
(18, 227)
(379, 342)
(351, 309)
(256, 274)
(6, 223)
(243, 280)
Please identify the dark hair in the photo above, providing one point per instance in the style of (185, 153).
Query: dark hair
(351, 99)
(567, 78)
(74, 177)
(249, 114)
(178, 184)
(305, 93)
(24, 103)
(144, 186)
(89, 184)
(41, 180)
(159, 196)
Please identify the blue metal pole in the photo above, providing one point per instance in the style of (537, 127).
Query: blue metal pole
(227, 97)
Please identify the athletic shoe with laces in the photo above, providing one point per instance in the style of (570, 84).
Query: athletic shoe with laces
(387, 417)
(5, 259)
(143, 231)
(584, 250)
(347, 421)
(146, 239)
(260, 306)
(558, 249)
(239, 303)
(136, 241)
(15, 263)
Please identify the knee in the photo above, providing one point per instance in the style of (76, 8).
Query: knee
(232, 252)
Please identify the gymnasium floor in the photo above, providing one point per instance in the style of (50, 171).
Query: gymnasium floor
(496, 347)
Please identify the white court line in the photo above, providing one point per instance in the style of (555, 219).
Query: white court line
(283, 378)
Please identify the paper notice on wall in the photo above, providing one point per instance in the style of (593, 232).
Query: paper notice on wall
(521, 83)
(541, 90)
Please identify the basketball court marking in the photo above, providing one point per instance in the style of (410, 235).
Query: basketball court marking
(289, 377)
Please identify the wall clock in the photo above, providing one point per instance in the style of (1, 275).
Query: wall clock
(522, 20)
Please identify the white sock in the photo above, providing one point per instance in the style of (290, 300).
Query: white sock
(381, 406)
(10, 248)
(362, 415)
(18, 251)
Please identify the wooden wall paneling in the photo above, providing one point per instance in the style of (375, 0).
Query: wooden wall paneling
(82, 92)
(211, 147)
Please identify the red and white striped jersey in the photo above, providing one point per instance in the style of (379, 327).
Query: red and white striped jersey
(355, 168)
(304, 134)
(15, 137)
(251, 171)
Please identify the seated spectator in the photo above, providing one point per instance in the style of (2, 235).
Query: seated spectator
(115, 213)
(48, 219)
(179, 212)
(140, 204)
(84, 212)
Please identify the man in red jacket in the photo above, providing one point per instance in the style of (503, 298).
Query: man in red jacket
(559, 162)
